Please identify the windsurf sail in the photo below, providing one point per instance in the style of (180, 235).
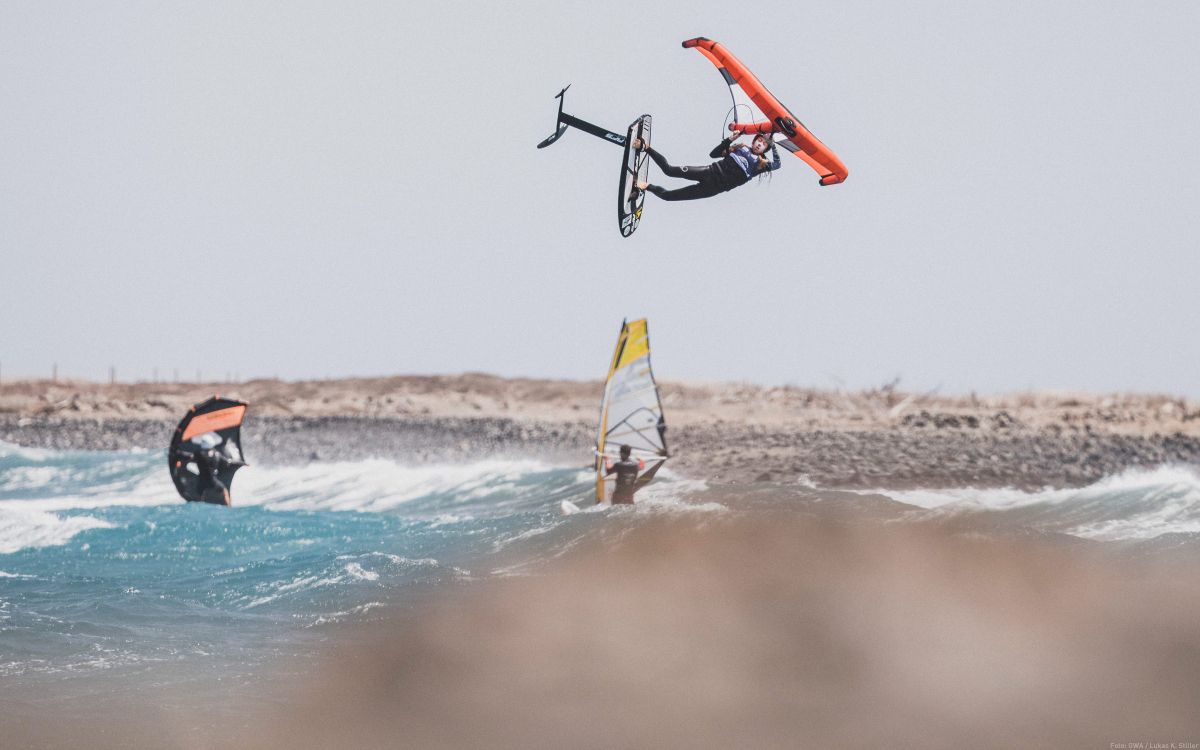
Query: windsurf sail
(631, 413)
(775, 117)
(206, 450)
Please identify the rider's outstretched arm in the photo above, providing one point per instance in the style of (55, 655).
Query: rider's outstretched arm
(723, 147)
(775, 162)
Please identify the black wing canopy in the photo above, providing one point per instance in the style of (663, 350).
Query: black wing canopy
(206, 450)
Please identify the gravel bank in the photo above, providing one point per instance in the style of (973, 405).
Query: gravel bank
(300, 440)
(907, 459)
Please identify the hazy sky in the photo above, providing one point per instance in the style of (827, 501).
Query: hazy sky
(351, 188)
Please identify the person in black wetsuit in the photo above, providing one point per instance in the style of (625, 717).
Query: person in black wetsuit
(738, 163)
(627, 473)
(209, 462)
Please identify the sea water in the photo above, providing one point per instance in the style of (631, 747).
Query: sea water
(110, 582)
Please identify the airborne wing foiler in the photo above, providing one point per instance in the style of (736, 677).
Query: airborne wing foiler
(779, 119)
(631, 413)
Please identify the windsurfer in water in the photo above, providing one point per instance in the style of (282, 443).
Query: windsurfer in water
(738, 163)
(209, 462)
(627, 473)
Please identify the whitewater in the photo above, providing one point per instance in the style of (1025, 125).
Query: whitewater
(108, 578)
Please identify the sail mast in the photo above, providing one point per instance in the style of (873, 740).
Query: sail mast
(602, 430)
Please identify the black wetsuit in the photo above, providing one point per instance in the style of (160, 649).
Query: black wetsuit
(718, 177)
(209, 462)
(627, 471)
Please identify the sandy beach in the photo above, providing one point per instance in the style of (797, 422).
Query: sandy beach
(727, 432)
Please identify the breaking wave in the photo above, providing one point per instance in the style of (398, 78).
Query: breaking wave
(1135, 505)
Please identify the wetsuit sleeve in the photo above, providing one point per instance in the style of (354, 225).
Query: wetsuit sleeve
(721, 150)
(763, 166)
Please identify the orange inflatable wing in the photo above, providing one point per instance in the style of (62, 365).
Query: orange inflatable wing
(799, 141)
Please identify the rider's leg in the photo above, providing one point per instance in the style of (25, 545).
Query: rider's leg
(219, 486)
(686, 173)
(689, 193)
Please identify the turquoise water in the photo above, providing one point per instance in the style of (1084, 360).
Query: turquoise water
(108, 579)
(104, 568)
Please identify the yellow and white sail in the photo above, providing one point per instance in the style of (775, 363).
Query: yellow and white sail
(631, 413)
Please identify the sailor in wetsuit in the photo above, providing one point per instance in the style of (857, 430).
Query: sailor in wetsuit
(738, 163)
(209, 462)
(627, 473)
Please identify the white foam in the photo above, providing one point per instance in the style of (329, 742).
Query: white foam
(376, 485)
(503, 542)
(1169, 502)
(370, 486)
(354, 570)
(339, 616)
(127, 480)
(1143, 503)
(399, 560)
(120, 480)
(671, 495)
(668, 494)
(24, 528)
(351, 572)
(29, 454)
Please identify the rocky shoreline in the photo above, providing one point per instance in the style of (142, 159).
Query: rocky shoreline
(287, 441)
(900, 457)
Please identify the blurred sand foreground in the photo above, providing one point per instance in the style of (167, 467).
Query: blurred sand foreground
(738, 634)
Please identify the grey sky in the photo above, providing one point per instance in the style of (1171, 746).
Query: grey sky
(307, 189)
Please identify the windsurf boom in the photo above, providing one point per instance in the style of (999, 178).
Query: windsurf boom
(207, 445)
(779, 119)
(631, 413)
